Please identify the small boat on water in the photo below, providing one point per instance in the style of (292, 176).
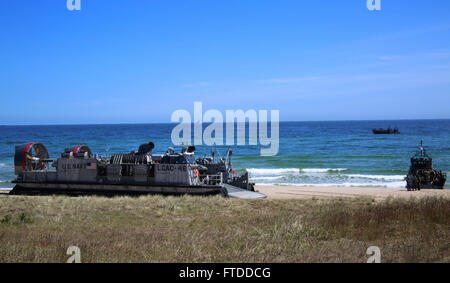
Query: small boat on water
(387, 131)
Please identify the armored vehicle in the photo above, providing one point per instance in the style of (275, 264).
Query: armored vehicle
(78, 171)
(421, 174)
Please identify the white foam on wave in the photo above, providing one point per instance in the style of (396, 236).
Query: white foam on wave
(276, 171)
(266, 178)
(322, 170)
(378, 177)
(271, 171)
(322, 177)
(393, 185)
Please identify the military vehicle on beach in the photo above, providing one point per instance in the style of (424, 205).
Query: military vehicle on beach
(421, 174)
(78, 171)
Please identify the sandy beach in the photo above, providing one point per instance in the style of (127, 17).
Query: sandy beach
(297, 192)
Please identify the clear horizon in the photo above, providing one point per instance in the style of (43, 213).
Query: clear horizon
(136, 63)
(205, 123)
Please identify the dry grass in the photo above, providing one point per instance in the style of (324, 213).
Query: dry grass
(214, 229)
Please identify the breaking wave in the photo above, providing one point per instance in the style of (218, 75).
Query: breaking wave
(256, 171)
(392, 185)
(322, 177)
(322, 170)
(379, 177)
(267, 178)
(274, 171)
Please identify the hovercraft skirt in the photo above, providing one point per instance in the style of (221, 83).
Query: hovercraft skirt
(107, 189)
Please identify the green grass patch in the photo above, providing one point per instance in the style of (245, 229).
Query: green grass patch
(215, 229)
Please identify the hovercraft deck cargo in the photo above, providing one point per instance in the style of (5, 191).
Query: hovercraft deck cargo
(77, 171)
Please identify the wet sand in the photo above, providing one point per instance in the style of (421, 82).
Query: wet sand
(297, 192)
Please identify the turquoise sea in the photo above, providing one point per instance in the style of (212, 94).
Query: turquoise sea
(343, 153)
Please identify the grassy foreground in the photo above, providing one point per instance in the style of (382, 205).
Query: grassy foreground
(214, 229)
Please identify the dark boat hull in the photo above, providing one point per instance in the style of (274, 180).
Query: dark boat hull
(385, 132)
(432, 187)
(109, 189)
(421, 180)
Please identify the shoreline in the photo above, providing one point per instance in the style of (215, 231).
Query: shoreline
(378, 193)
(316, 192)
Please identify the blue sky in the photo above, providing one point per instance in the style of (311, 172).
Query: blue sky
(138, 61)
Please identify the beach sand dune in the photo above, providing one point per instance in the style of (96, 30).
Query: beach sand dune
(297, 192)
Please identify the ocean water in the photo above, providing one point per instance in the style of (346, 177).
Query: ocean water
(310, 153)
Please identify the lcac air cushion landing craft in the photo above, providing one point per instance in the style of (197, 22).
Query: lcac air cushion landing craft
(422, 175)
(77, 171)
